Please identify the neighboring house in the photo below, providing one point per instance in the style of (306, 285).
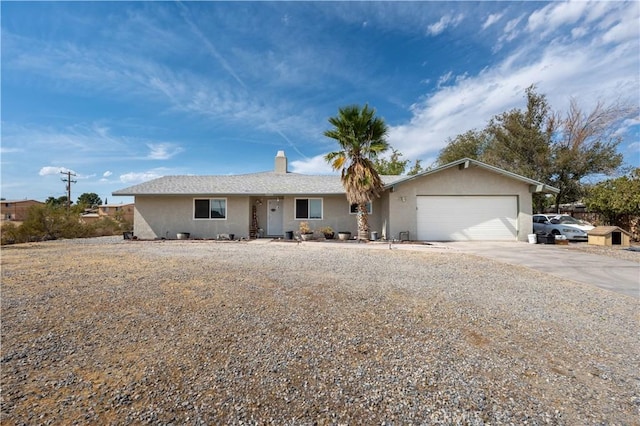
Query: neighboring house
(16, 210)
(463, 200)
(120, 211)
(113, 211)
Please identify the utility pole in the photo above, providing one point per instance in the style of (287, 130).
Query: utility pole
(68, 181)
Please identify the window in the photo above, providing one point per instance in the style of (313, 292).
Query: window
(353, 209)
(210, 208)
(308, 208)
(539, 219)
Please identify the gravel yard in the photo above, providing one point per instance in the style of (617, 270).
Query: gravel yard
(106, 331)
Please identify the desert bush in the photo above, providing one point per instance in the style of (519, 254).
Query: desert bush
(51, 222)
(104, 227)
(10, 234)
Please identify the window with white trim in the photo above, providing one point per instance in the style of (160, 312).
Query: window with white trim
(210, 208)
(353, 209)
(308, 208)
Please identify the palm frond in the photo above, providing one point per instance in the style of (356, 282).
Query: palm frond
(361, 137)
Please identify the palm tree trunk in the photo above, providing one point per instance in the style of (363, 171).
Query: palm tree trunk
(363, 222)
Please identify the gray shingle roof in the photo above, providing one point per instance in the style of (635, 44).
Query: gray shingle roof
(248, 184)
(272, 183)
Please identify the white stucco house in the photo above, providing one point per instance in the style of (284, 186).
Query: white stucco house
(463, 200)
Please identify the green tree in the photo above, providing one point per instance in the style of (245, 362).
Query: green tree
(392, 166)
(416, 168)
(89, 199)
(545, 146)
(361, 137)
(471, 144)
(517, 140)
(60, 201)
(520, 140)
(616, 198)
(395, 166)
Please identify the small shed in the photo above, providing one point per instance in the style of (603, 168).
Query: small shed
(609, 236)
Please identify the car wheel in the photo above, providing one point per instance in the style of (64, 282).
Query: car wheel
(555, 232)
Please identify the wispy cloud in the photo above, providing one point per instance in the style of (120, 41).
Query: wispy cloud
(82, 144)
(137, 177)
(447, 21)
(163, 151)
(511, 30)
(444, 79)
(105, 176)
(552, 17)
(492, 19)
(560, 70)
(4, 150)
(314, 165)
(184, 12)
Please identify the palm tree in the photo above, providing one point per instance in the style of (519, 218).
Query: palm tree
(361, 137)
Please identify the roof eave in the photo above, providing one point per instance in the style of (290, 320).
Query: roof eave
(248, 194)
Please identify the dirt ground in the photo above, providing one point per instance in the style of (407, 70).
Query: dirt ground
(229, 333)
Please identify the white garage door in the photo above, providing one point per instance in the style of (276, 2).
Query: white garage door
(467, 218)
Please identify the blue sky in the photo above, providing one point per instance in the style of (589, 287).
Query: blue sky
(123, 92)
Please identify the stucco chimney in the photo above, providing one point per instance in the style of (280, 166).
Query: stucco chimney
(281, 162)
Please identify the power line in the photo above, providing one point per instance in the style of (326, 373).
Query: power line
(68, 181)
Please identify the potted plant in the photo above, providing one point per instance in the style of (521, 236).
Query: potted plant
(344, 235)
(328, 232)
(305, 231)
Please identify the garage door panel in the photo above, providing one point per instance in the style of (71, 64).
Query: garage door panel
(464, 218)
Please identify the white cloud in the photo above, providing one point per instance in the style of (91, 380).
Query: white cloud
(560, 71)
(313, 166)
(163, 151)
(554, 15)
(578, 32)
(625, 126)
(4, 150)
(511, 29)
(52, 170)
(444, 79)
(626, 29)
(444, 23)
(137, 177)
(492, 19)
(107, 174)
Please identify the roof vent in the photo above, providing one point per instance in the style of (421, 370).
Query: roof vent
(281, 163)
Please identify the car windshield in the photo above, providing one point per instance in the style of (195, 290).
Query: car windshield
(568, 220)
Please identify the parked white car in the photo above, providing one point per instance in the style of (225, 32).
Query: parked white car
(572, 228)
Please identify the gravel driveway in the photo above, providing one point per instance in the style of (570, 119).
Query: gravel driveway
(105, 331)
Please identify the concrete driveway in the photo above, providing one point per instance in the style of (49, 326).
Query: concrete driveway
(621, 276)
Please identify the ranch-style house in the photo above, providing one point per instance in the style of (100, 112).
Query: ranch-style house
(462, 200)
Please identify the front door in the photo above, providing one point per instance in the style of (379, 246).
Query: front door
(274, 218)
